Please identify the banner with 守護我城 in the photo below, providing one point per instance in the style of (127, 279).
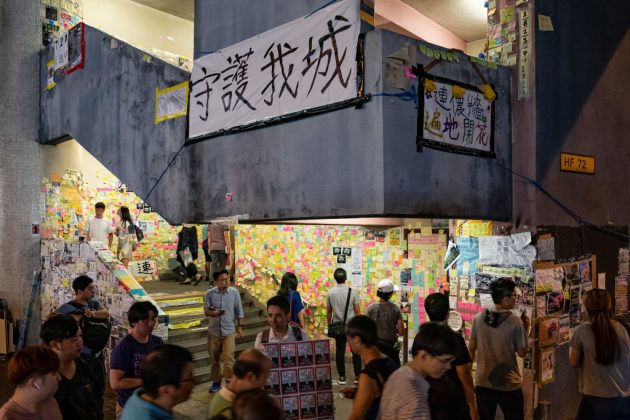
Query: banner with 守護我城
(302, 65)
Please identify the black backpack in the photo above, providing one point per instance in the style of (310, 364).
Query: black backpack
(96, 331)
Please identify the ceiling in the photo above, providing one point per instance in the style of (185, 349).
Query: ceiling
(184, 9)
(465, 18)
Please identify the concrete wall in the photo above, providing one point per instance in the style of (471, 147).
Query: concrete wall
(331, 167)
(109, 107)
(351, 162)
(582, 84)
(219, 24)
(71, 155)
(435, 183)
(20, 39)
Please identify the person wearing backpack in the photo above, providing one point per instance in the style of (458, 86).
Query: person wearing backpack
(279, 329)
(76, 393)
(94, 321)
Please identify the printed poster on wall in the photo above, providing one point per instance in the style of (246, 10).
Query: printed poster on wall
(302, 65)
(515, 250)
(76, 48)
(171, 102)
(455, 117)
(60, 46)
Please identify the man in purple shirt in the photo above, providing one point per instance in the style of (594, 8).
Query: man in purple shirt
(130, 352)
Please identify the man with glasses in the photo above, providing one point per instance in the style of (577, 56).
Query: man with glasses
(167, 375)
(497, 336)
(433, 350)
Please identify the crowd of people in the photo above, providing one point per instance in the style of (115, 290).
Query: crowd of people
(65, 376)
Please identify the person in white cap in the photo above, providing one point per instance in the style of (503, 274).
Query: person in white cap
(388, 320)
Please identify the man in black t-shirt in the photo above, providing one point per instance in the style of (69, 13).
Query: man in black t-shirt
(452, 397)
(76, 392)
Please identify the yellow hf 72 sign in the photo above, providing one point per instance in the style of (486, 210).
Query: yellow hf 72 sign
(577, 163)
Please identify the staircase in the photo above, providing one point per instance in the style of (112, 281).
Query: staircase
(189, 326)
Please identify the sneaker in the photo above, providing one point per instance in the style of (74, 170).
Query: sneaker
(215, 387)
(342, 380)
(356, 381)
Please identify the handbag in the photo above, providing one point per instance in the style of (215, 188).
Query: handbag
(139, 233)
(338, 329)
(186, 257)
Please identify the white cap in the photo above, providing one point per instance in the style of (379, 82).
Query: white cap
(386, 286)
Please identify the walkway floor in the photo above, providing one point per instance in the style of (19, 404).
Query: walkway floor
(194, 408)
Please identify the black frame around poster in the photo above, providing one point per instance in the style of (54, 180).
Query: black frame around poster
(422, 142)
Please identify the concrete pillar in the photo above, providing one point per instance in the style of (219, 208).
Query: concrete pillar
(20, 41)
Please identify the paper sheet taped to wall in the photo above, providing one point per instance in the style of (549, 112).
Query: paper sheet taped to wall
(171, 102)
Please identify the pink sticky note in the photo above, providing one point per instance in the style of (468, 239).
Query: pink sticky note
(409, 73)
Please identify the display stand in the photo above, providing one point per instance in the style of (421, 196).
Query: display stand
(301, 378)
(553, 322)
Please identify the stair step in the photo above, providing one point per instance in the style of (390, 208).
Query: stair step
(202, 373)
(249, 321)
(199, 342)
(193, 333)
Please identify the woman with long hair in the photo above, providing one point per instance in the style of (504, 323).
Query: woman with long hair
(125, 232)
(601, 349)
(288, 290)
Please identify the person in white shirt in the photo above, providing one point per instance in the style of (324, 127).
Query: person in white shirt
(97, 228)
(279, 330)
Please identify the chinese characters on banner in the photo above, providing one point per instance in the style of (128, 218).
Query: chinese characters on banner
(524, 42)
(304, 64)
(455, 118)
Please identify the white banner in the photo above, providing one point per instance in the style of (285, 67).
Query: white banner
(304, 64)
(456, 116)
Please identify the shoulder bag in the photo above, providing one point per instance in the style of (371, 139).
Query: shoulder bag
(338, 329)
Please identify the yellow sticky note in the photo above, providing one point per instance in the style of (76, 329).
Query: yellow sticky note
(488, 92)
(471, 292)
(457, 91)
